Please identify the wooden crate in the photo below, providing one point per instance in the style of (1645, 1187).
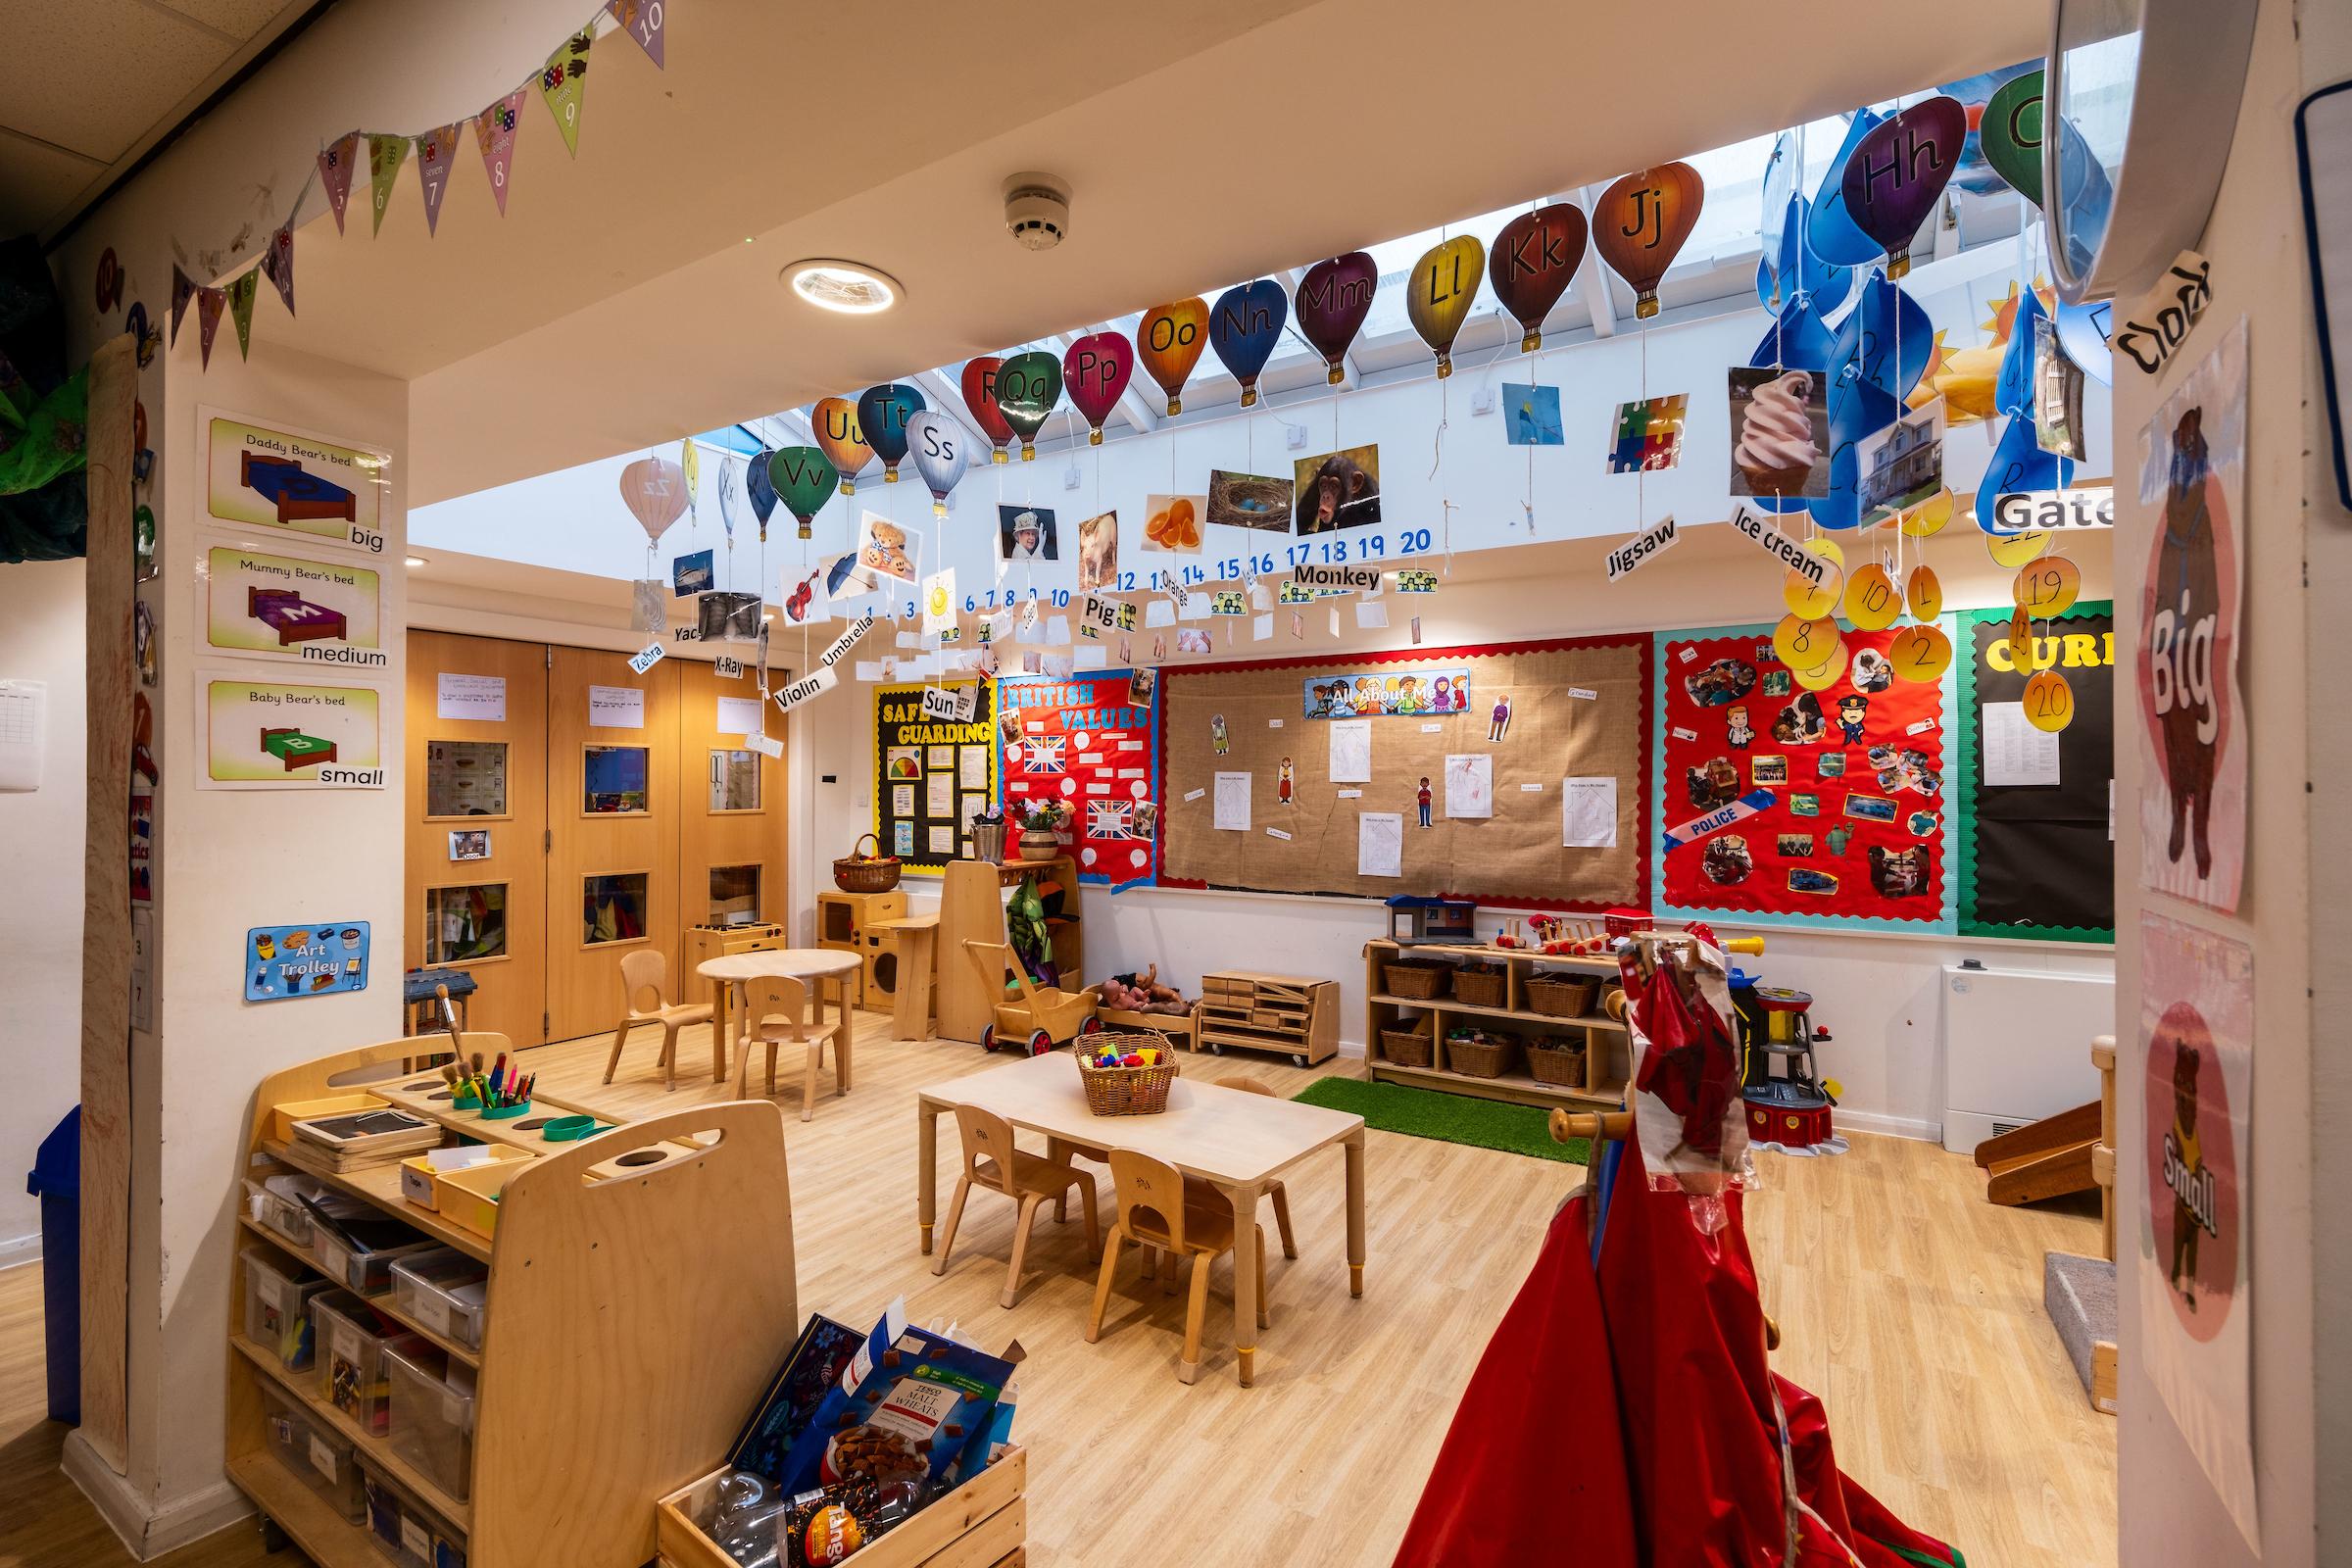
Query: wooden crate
(1181, 1028)
(982, 1524)
(1293, 1017)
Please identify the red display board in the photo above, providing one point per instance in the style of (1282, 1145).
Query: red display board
(1088, 742)
(1796, 805)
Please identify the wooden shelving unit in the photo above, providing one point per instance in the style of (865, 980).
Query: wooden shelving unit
(971, 909)
(1608, 1047)
(1292, 1016)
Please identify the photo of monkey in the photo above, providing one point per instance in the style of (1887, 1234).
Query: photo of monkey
(1341, 490)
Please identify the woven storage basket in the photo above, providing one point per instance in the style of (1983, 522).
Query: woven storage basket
(855, 873)
(1126, 1091)
(1417, 981)
(1481, 988)
(1491, 1057)
(1563, 1068)
(1406, 1048)
(1562, 995)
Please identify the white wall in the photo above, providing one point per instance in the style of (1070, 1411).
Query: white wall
(41, 636)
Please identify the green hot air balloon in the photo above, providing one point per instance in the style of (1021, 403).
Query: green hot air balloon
(804, 478)
(1028, 385)
(2010, 134)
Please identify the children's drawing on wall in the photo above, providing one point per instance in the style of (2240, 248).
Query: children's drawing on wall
(1499, 722)
(1532, 415)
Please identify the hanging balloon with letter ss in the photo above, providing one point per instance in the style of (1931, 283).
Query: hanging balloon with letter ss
(882, 414)
(1897, 174)
(842, 439)
(1097, 369)
(761, 488)
(1535, 259)
(1639, 224)
(1244, 327)
(803, 479)
(655, 491)
(1440, 291)
(935, 443)
(980, 396)
(1333, 298)
(1169, 340)
(1028, 385)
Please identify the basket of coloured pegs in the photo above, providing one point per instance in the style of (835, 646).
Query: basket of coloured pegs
(1126, 1074)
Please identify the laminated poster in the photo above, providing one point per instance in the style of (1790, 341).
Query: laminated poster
(269, 735)
(260, 477)
(920, 772)
(289, 607)
(1087, 742)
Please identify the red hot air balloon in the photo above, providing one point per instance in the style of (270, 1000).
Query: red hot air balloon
(980, 396)
(1640, 223)
(1333, 300)
(1533, 262)
(1094, 370)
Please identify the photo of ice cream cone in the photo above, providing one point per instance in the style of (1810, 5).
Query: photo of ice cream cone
(1778, 422)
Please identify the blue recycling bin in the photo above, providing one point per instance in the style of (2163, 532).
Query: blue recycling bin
(56, 1180)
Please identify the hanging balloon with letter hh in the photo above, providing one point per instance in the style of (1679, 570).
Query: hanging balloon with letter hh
(1535, 259)
(935, 442)
(1028, 385)
(1440, 291)
(842, 439)
(882, 415)
(761, 488)
(1169, 340)
(1333, 298)
(980, 396)
(1243, 328)
(1897, 174)
(1095, 370)
(1639, 224)
(655, 491)
(803, 479)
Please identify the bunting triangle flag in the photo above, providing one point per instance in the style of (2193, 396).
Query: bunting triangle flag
(436, 158)
(494, 130)
(563, 83)
(240, 308)
(209, 301)
(335, 164)
(642, 20)
(278, 261)
(183, 290)
(385, 155)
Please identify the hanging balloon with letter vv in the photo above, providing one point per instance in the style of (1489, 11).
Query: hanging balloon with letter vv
(842, 439)
(804, 478)
(1028, 385)
(935, 443)
(1244, 327)
(1440, 291)
(980, 396)
(882, 415)
(1169, 340)
(1639, 224)
(1333, 298)
(1535, 259)
(1095, 370)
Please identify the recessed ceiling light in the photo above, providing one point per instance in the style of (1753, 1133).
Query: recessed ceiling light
(418, 561)
(847, 287)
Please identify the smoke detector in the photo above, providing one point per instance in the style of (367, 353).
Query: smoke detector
(1037, 211)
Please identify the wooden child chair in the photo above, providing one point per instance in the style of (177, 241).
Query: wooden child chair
(1274, 1190)
(644, 973)
(775, 1011)
(990, 1160)
(1159, 1208)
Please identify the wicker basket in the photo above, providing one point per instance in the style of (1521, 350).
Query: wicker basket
(1480, 987)
(1407, 1047)
(1126, 1091)
(857, 873)
(1491, 1057)
(1562, 995)
(1415, 981)
(1561, 1066)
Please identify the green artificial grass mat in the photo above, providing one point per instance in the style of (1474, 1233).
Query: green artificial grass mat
(1447, 1118)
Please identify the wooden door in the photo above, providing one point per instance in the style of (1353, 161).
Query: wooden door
(614, 805)
(476, 874)
(732, 820)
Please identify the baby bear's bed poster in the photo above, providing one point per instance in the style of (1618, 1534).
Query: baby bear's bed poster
(1779, 805)
(1091, 743)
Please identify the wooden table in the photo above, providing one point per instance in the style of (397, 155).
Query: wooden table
(911, 1005)
(1236, 1141)
(729, 971)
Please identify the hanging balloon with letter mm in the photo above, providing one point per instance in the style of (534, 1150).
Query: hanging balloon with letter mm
(980, 396)
(1533, 260)
(1243, 327)
(1897, 174)
(655, 491)
(1169, 340)
(882, 415)
(1440, 291)
(1028, 385)
(1095, 370)
(1333, 298)
(842, 439)
(1639, 224)
(804, 478)
(935, 444)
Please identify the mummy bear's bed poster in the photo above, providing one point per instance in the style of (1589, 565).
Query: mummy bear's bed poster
(284, 607)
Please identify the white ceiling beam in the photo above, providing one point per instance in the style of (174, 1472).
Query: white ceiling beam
(1592, 277)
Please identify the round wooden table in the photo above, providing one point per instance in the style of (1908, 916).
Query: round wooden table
(817, 965)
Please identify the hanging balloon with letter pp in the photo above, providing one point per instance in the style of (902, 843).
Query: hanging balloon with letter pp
(935, 443)
(1333, 298)
(655, 491)
(1169, 340)
(980, 396)
(1095, 370)
(803, 479)
(1028, 385)
(1535, 259)
(1639, 224)
(1244, 327)
(1440, 291)
(882, 415)
(842, 439)
(1897, 174)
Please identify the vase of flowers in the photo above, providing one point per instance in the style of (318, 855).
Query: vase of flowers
(1039, 819)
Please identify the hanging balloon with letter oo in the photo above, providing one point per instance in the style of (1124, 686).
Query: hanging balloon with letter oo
(882, 415)
(1096, 371)
(1169, 340)
(1333, 298)
(1440, 291)
(1244, 327)
(935, 445)
(655, 491)
(980, 396)
(802, 478)
(1897, 172)
(1535, 259)
(842, 439)
(1639, 224)
(1028, 385)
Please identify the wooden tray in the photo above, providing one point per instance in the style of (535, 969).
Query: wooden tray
(982, 1524)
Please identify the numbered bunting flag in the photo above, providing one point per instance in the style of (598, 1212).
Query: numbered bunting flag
(209, 304)
(563, 84)
(436, 156)
(240, 308)
(385, 155)
(183, 290)
(336, 161)
(494, 133)
(278, 261)
(642, 20)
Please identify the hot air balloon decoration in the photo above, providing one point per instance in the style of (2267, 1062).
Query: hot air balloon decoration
(1169, 340)
(980, 396)
(882, 415)
(804, 478)
(1440, 291)
(654, 489)
(1639, 224)
(1333, 298)
(761, 488)
(1244, 327)
(1028, 385)
(1095, 370)
(1897, 174)
(1535, 259)
(842, 439)
(935, 444)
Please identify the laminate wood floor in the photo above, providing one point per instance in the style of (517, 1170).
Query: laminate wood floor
(1910, 1305)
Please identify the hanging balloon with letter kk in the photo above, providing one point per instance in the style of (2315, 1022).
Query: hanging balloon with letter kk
(1169, 340)
(1333, 298)
(842, 439)
(1095, 370)
(1440, 291)
(1535, 259)
(1898, 171)
(1639, 224)
(935, 443)
(1243, 328)
(1028, 385)
(803, 479)
(882, 415)
(655, 491)
(980, 396)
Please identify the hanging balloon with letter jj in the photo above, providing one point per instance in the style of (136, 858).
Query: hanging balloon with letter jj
(1028, 385)
(1639, 224)
(1169, 340)
(935, 442)
(1897, 172)
(1440, 291)
(1243, 328)
(655, 491)
(842, 439)
(1333, 298)
(1533, 260)
(980, 396)
(803, 479)
(1095, 370)
(882, 415)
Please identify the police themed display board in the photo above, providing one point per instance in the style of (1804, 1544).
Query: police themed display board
(933, 772)
(1508, 774)
(1091, 743)
(1776, 804)
(2035, 851)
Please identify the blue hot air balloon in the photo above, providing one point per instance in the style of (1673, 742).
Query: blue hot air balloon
(761, 488)
(1790, 268)
(1858, 408)
(1798, 337)
(2018, 462)
(1887, 336)
(1243, 325)
(882, 413)
(1832, 235)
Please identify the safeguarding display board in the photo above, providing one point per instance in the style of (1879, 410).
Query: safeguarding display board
(1518, 780)
(1777, 804)
(1088, 742)
(2036, 853)
(931, 775)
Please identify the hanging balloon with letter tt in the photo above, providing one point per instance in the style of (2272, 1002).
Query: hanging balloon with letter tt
(882, 415)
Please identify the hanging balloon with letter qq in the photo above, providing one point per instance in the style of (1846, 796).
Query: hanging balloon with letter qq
(1243, 328)
(803, 479)
(1440, 291)
(935, 443)
(1028, 385)
(842, 439)
(1639, 224)
(980, 396)
(655, 491)
(882, 415)
(1169, 340)
(1333, 298)
(1533, 260)
(1096, 371)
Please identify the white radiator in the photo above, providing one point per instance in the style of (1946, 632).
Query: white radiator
(2016, 1048)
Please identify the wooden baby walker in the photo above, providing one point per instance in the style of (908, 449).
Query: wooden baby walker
(1042, 1017)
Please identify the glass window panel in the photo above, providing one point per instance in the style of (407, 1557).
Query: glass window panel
(734, 895)
(464, 924)
(465, 778)
(734, 780)
(613, 779)
(612, 908)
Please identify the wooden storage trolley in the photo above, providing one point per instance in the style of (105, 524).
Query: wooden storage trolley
(1607, 1045)
(1296, 1017)
(981, 1524)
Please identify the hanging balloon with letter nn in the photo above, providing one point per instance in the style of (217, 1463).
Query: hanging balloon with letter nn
(655, 491)
(1028, 385)
(1898, 171)
(1535, 259)
(882, 415)
(1639, 224)
(1095, 370)
(1169, 340)
(1440, 291)
(842, 439)
(980, 396)
(1244, 327)
(803, 479)
(935, 443)
(1333, 298)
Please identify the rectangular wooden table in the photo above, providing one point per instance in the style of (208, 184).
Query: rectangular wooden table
(1234, 1140)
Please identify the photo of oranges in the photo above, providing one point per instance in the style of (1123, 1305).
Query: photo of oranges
(1173, 523)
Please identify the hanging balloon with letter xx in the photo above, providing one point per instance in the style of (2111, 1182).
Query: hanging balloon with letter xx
(1244, 327)
(1028, 385)
(980, 396)
(1333, 298)
(842, 439)
(935, 443)
(1639, 224)
(1897, 174)
(1169, 340)
(804, 478)
(882, 415)
(1535, 259)
(1095, 370)
(1440, 291)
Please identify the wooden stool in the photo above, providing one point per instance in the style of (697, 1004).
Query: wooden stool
(1158, 1208)
(775, 1011)
(1274, 1188)
(642, 973)
(990, 1160)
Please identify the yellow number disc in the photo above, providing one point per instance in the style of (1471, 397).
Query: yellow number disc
(2050, 702)
(2014, 549)
(2049, 586)
(1925, 592)
(1928, 516)
(1920, 653)
(1822, 676)
(1871, 600)
(2020, 641)
(1804, 644)
(1828, 550)
(1810, 601)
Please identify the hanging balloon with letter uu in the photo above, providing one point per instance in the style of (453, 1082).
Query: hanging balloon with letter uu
(980, 396)
(804, 478)
(935, 443)
(1028, 385)
(1244, 327)
(655, 491)
(1169, 340)
(1534, 260)
(882, 415)
(1897, 174)
(1333, 298)
(1097, 369)
(1440, 291)
(842, 439)
(1639, 224)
